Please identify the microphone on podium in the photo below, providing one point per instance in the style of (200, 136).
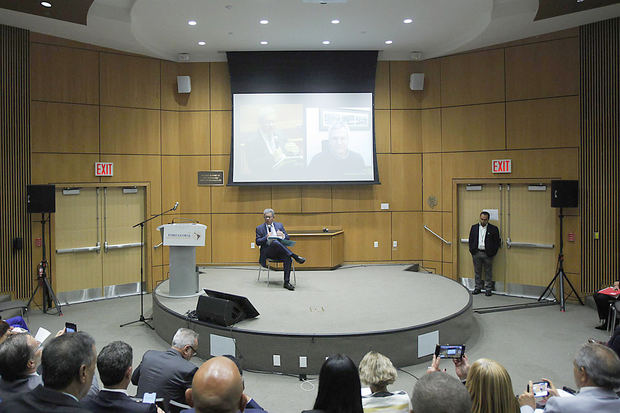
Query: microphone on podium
(176, 205)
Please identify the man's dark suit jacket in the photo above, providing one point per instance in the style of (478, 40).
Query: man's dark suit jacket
(165, 373)
(112, 401)
(42, 400)
(491, 241)
(261, 240)
(9, 389)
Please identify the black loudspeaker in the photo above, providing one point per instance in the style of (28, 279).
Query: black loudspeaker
(564, 194)
(41, 198)
(223, 308)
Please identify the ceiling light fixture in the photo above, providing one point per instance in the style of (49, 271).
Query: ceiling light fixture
(408, 20)
(264, 42)
(335, 21)
(264, 21)
(46, 4)
(201, 43)
(192, 22)
(388, 42)
(326, 42)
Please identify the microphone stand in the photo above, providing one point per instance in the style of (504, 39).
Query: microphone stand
(143, 319)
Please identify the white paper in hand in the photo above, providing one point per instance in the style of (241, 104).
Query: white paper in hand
(42, 335)
(149, 398)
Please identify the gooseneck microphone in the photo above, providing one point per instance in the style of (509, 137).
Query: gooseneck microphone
(176, 205)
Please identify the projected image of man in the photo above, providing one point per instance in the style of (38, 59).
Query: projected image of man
(264, 150)
(336, 160)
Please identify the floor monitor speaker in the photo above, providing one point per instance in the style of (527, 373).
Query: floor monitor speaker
(224, 309)
(564, 194)
(41, 198)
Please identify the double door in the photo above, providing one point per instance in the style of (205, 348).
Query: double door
(527, 225)
(96, 246)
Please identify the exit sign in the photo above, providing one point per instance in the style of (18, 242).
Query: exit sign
(501, 166)
(104, 169)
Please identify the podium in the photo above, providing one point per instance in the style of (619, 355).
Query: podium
(183, 240)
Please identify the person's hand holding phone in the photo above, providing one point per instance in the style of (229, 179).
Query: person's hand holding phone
(552, 390)
(527, 397)
(461, 367)
(434, 365)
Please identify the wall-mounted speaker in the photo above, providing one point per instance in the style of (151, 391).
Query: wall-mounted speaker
(564, 194)
(416, 81)
(41, 198)
(184, 84)
(223, 308)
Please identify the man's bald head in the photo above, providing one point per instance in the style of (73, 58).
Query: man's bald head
(217, 387)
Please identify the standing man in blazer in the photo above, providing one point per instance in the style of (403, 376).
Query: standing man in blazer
(272, 248)
(484, 242)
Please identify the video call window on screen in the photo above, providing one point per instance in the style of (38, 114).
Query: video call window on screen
(303, 137)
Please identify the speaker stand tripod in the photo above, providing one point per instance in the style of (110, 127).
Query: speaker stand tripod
(42, 281)
(560, 274)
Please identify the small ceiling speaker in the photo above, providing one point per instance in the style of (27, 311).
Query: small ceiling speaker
(184, 84)
(416, 81)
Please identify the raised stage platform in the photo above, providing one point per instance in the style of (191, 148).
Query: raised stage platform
(350, 310)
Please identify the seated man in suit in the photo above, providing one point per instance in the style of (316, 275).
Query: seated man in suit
(69, 363)
(597, 373)
(114, 366)
(438, 392)
(168, 373)
(272, 248)
(19, 358)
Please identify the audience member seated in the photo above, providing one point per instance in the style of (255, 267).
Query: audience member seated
(603, 299)
(377, 371)
(490, 388)
(339, 387)
(114, 366)
(251, 403)
(69, 363)
(19, 358)
(614, 341)
(217, 387)
(438, 392)
(596, 369)
(168, 373)
(5, 331)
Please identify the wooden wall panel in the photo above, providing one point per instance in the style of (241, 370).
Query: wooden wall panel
(407, 232)
(406, 131)
(130, 81)
(185, 133)
(237, 199)
(403, 182)
(405, 98)
(221, 98)
(56, 75)
(238, 230)
(382, 86)
(221, 132)
(543, 123)
(316, 198)
(431, 194)
(293, 221)
(55, 167)
(382, 131)
(180, 183)
(60, 127)
(543, 69)
(286, 198)
(130, 131)
(198, 99)
(361, 230)
(470, 128)
(448, 235)
(472, 78)
(431, 130)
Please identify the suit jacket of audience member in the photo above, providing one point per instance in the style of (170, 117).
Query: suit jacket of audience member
(491, 241)
(42, 400)
(166, 373)
(261, 239)
(114, 401)
(11, 388)
(614, 341)
(589, 399)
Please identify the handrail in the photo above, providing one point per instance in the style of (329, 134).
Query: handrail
(511, 243)
(121, 246)
(438, 236)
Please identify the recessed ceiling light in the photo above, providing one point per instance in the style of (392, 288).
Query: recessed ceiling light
(264, 21)
(335, 21)
(46, 4)
(388, 42)
(264, 42)
(326, 42)
(201, 43)
(408, 20)
(192, 22)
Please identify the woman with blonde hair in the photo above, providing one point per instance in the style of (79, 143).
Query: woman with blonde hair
(377, 371)
(490, 388)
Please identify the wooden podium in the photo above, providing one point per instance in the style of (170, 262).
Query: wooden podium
(323, 250)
